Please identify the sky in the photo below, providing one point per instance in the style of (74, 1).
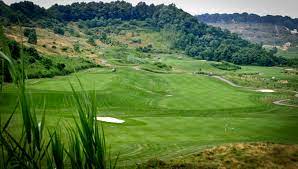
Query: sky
(261, 7)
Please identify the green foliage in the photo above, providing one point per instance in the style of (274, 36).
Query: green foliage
(90, 133)
(91, 41)
(145, 49)
(162, 65)
(32, 38)
(30, 149)
(60, 66)
(48, 63)
(58, 30)
(14, 49)
(31, 35)
(136, 40)
(103, 37)
(226, 66)
(76, 47)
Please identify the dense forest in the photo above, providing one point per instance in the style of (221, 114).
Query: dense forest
(250, 18)
(195, 38)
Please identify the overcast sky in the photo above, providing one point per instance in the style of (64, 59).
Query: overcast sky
(261, 7)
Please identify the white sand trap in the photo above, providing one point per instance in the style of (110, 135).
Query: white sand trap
(110, 120)
(169, 95)
(265, 90)
(289, 69)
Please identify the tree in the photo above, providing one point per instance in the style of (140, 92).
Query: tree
(58, 30)
(32, 37)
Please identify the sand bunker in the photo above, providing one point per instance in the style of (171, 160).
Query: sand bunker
(169, 95)
(110, 120)
(265, 90)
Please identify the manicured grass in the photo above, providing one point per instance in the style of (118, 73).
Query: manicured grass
(166, 115)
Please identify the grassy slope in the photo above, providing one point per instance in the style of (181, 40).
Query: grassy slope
(255, 155)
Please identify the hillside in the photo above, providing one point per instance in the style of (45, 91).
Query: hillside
(187, 34)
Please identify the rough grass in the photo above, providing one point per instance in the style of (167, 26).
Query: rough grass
(254, 155)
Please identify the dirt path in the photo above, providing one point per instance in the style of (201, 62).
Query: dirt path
(281, 103)
(227, 81)
(277, 102)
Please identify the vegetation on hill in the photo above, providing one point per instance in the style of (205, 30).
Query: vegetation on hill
(37, 65)
(196, 39)
(253, 155)
(290, 23)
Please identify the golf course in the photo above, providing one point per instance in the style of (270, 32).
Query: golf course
(166, 114)
(105, 85)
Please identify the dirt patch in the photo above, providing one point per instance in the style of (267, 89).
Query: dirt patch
(253, 155)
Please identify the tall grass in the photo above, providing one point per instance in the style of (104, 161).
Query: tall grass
(32, 150)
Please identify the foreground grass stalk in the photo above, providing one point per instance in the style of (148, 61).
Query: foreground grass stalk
(89, 134)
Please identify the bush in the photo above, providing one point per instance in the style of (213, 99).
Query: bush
(226, 66)
(91, 41)
(76, 47)
(61, 66)
(145, 49)
(64, 49)
(136, 40)
(48, 63)
(32, 52)
(58, 30)
(32, 37)
(162, 66)
(28, 31)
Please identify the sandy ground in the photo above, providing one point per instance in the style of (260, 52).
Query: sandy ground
(265, 90)
(110, 120)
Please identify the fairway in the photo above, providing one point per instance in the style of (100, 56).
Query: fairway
(166, 115)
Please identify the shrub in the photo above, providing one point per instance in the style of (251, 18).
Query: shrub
(226, 66)
(58, 30)
(32, 37)
(48, 63)
(162, 66)
(91, 41)
(76, 47)
(31, 51)
(64, 49)
(136, 40)
(61, 66)
(145, 49)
